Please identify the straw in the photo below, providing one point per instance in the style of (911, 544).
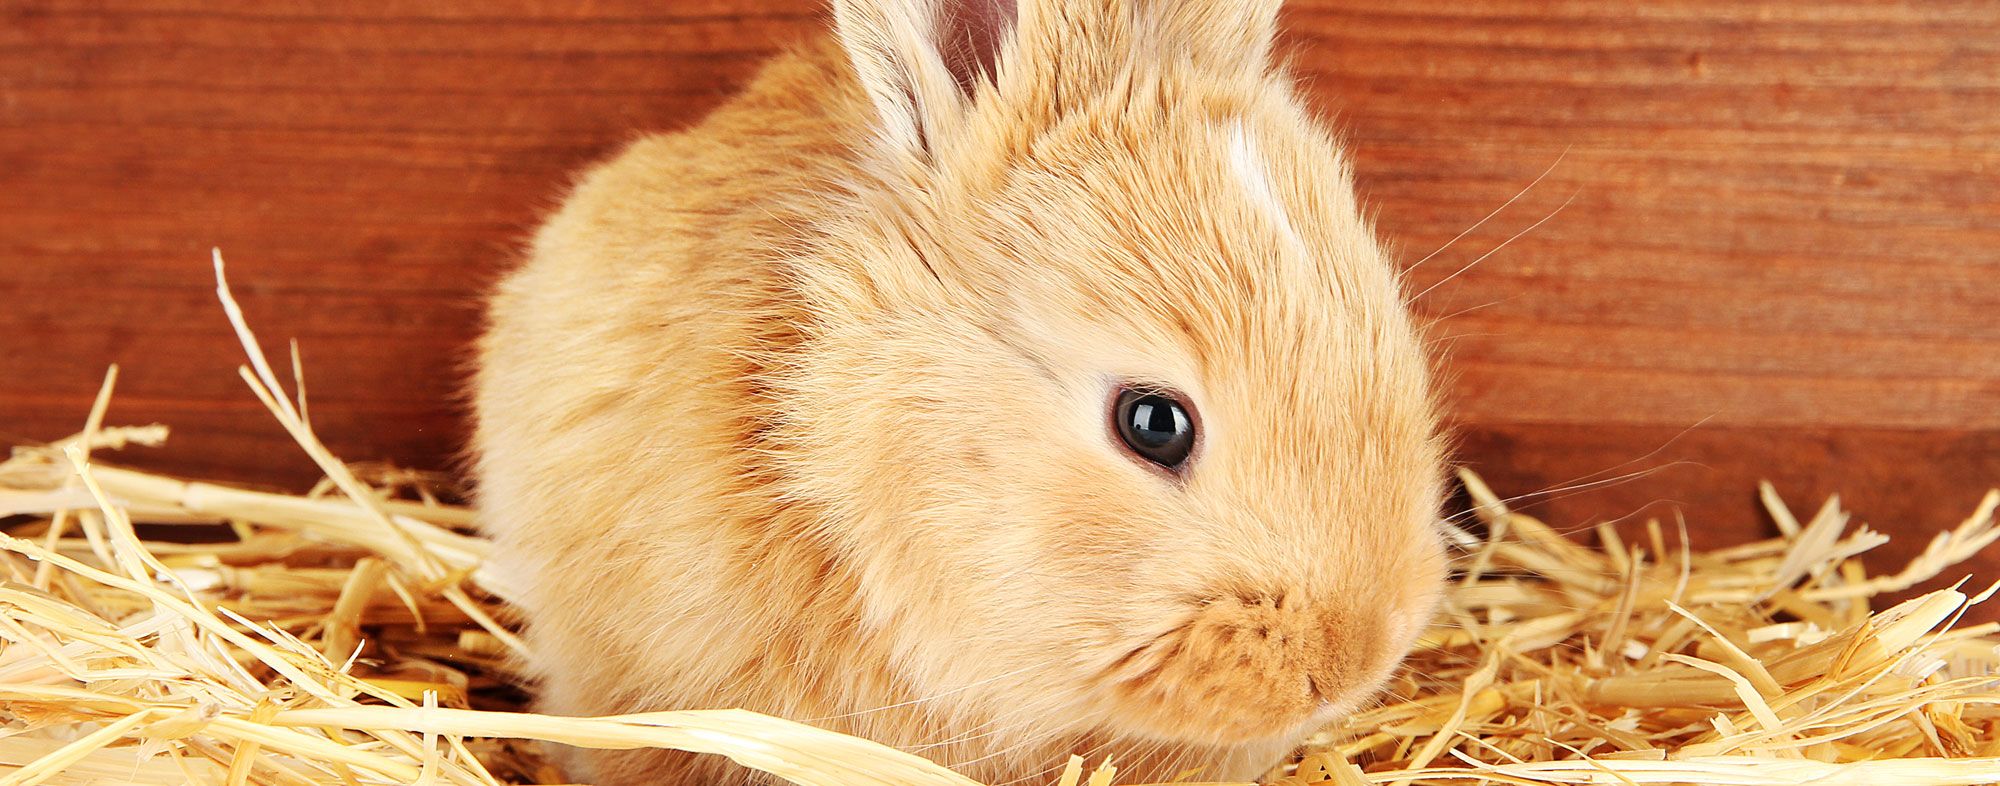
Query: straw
(353, 635)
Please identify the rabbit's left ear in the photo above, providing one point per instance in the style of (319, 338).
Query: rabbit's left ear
(921, 61)
(1224, 33)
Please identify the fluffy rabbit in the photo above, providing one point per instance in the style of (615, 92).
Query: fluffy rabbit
(997, 379)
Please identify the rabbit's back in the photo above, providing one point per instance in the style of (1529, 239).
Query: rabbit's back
(616, 389)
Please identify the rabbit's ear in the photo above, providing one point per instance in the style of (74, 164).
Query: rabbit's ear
(1225, 33)
(921, 61)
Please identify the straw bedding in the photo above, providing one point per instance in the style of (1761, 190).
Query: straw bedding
(350, 636)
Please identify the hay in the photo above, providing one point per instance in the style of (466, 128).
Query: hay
(344, 637)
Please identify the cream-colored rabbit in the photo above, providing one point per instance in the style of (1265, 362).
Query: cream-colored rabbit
(993, 380)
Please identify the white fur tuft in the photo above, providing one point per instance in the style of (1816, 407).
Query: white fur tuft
(1247, 162)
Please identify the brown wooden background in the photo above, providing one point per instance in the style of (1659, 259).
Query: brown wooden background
(1778, 259)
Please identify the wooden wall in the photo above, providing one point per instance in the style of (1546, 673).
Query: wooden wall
(1765, 238)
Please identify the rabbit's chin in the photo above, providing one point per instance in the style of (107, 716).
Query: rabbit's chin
(1243, 671)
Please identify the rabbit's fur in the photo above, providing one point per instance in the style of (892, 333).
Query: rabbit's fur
(804, 409)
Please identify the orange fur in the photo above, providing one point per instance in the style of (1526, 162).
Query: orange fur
(804, 409)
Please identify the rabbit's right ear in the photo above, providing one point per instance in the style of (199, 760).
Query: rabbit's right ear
(921, 61)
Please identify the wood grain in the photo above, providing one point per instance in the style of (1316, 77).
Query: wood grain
(1734, 240)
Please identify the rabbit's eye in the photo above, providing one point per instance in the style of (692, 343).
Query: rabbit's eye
(1153, 424)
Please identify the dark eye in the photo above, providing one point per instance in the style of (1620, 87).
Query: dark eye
(1153, 424)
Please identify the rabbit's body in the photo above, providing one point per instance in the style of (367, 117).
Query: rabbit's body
(804, 409)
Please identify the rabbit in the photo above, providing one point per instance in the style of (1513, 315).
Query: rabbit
(998, 380)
